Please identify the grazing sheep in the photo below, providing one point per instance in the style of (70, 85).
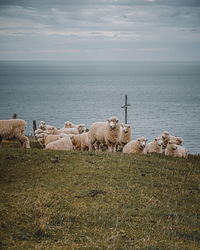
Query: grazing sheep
(176, 140)
(125, 135)
(135, 147)
(176, 150)
(77, 130)
(14, 128)
(64, 144)
(80, 141)
(155, 146)
(50, 138)
(166, 138)
(105, 133)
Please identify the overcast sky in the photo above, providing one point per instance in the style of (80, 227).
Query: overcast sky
(136, 30)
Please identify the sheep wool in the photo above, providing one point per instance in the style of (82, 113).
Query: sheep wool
(154, 147)
(166, 138)
(105, 133)
(63, 144)
(125, 134)
(80, 141)
(135, 147)
(176, 140)
(77, 130)
(14, 128)
(176, 150)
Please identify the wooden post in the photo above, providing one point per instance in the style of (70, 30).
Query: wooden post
(14, 116)
(34, 126)
(125, 107)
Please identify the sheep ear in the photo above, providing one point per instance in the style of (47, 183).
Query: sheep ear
(117, 120)
(71, 137)
(129, 126)
(138, 139)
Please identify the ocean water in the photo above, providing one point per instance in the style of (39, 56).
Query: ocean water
(163, 95)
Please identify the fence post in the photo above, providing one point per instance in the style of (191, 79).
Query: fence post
(125, 107)
(34, 126)
(14, 116)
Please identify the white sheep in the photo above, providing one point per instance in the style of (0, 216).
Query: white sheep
(125, 135)
(64, 144)
(50, 138)
(166, 138)
(69, 125)
(105, 133)
(80, 141)
(135, 147)
(176, 140)
(38, 131)
(41, 138)
(77, 130)
(14, 128)
(154, 146)
(176, 150)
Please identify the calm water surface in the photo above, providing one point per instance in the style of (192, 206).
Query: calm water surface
(163, 95)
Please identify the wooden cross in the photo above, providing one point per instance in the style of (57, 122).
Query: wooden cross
(125, 107)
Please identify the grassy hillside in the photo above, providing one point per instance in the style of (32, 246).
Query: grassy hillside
(97, 200)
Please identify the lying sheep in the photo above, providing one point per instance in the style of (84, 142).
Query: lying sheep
(155, 146)
(176, 150)
(105, 133)
(176, 140)
(64, 144)
(135, 147)
(51, 138)
(38, 131)
(77, 130)
(125, 135)
(80, 141)
(14, 128)
(41, 138)
(166, 138)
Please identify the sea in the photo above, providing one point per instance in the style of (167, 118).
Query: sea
(163, 96)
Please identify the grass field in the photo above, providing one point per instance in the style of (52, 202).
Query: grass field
(66, 200)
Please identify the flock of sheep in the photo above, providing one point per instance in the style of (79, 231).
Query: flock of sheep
(110, 135)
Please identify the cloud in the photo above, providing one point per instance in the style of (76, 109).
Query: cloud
(81, 25)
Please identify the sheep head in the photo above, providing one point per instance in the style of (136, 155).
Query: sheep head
(113, 122)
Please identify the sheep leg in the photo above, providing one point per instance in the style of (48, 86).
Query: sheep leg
(114, 148)
(24, 140)
(110, 149)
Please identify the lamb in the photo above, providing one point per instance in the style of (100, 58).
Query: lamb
(77, 130)
(14, 128)
(50, 138)
(64, 144)
(80, 141)
(125, 135)
(155, 146)
(105, 133)
(135, 147)
(166, 138)
(176, 150)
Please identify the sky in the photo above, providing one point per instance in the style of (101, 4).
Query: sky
(100, 30)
